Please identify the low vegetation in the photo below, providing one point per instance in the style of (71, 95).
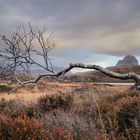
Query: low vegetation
(89, 116)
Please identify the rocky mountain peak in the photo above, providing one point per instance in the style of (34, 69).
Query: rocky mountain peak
(128, 60)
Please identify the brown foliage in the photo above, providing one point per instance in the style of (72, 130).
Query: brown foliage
(56, 101)
(72, 116)
(21, 129)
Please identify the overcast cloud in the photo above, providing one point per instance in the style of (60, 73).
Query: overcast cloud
(85, 27)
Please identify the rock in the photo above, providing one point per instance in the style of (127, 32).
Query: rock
(128, 60)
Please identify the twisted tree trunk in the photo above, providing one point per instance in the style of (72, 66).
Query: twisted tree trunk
(131, 75)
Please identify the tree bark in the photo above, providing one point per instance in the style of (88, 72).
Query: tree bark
(131, 75)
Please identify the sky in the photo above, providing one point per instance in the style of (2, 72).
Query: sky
(87, 31)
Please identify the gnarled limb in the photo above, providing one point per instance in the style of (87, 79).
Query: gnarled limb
(130, 75)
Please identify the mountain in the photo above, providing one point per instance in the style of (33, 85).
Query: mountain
(128, 60)
(128, 64)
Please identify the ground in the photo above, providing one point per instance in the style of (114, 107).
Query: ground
(33, 92)
(69, 111)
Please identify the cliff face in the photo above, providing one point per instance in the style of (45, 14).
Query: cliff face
(128, 60)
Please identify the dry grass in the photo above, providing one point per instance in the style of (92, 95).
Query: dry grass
(33, 92)
(70, 112)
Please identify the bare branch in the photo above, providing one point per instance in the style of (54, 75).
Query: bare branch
(25, 45)
(21, 52)
(110, 73)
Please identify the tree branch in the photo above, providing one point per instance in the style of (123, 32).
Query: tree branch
(107, 72)
(20, 50)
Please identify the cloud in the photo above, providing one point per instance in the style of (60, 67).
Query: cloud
(118, 44)
(74, 55)
(91, 26)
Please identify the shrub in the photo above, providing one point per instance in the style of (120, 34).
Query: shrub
(5, 88)
(29, 111)
(57, 101)
(64, 125)
(111, 98)
(15, 109)
(22, 129)
(33, 111)
(128, 113)
(72, 117)
(120, 116)
(61, 133)
(7, 104)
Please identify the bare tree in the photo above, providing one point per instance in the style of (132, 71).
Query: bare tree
(24, 45)
(126, 76)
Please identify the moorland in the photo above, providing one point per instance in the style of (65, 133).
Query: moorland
(69, 111)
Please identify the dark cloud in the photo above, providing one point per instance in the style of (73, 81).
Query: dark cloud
(84, 23)
(102, 18)
(77, 14)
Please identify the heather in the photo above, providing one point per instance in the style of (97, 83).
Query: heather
(72, 116)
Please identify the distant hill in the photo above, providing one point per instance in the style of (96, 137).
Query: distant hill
(96, 76)
(100, 77)
(128, 64)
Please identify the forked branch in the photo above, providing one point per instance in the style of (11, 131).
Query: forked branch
(24, 46)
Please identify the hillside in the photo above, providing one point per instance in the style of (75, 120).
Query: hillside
(95, 76)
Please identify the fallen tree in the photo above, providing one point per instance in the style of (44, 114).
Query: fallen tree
(131, 75)
(26, 44)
